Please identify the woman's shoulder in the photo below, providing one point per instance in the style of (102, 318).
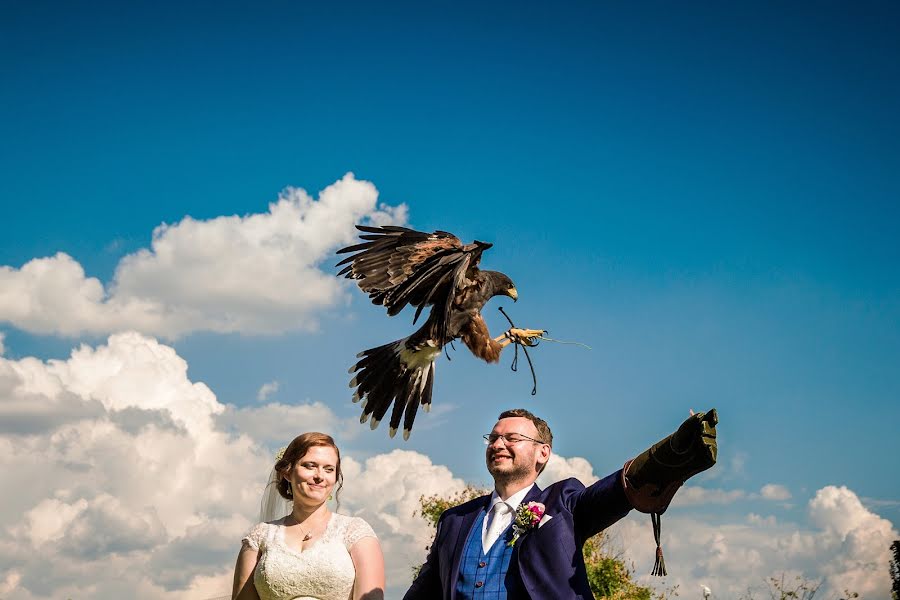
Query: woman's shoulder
(348, 522)
(353, 529)
(258, 534)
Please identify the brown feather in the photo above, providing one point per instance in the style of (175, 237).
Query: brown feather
(399, 267)
(477, 338)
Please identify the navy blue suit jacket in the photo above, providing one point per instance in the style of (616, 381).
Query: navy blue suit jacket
(548, 558)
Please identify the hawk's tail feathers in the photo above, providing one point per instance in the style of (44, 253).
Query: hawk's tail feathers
(393, 374)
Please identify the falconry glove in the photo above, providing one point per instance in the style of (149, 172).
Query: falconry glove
(652, 478)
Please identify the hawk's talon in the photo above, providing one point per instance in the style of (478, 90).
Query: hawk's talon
(525, 337)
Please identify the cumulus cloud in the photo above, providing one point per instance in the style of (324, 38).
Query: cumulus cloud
(259, 273)
(277, 424)
(147, 483)
(559, 468)
(131, 462)
(773, 491)
(859, 538)
(385, 490)
(755, 519)
(27, 412)
(266, 390)
(691, 495)
(842, 544)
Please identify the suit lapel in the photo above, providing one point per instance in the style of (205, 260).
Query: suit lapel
(462, 534)
(531, 496)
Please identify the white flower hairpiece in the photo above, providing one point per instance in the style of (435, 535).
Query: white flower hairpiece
(280, 454)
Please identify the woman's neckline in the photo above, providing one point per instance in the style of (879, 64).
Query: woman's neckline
(282, 527)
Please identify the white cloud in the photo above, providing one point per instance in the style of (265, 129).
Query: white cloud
(842, 545)
(2, 347)
(50, 519)
(882, 503)
(385, 490)
(560, 468)
(774, 491)
(755, 519)
(266, 390)
(860, 539)
(131, 463)
(738, 464)
(277, 424)
(147, 484)
(261, 273)
(690, 495)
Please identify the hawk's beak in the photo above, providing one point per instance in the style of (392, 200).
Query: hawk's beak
(512, 293)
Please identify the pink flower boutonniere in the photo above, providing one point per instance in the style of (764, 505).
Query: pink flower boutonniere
(527, 518)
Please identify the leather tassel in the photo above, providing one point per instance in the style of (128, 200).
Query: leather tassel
(659, 567)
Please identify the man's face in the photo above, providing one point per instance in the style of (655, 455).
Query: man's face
(515, 461)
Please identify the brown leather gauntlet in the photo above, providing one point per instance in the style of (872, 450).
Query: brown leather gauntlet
(652, 478)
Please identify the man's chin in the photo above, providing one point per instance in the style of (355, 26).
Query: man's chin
(506, 472)
(499, 470)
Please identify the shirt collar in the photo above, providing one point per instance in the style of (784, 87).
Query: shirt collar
(513, 501)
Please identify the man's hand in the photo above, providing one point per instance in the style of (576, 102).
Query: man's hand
(653, 477)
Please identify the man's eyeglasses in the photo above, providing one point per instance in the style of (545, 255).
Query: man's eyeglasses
(509, 438)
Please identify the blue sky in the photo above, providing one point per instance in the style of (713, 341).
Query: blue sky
(705, 194)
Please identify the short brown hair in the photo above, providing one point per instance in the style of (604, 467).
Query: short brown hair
(296, 450)
(544, 432)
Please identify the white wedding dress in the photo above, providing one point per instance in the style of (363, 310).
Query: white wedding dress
(323, 571)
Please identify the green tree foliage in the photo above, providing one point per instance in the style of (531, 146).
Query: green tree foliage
(608, 574)
(432, 507)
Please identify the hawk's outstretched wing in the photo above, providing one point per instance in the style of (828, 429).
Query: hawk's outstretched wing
(397, 266)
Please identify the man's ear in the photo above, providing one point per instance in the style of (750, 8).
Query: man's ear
(544, 454)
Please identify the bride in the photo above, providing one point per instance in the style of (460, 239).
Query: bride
(311, 553)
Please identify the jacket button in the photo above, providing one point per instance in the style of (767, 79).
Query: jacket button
(478, 584)
(482, 565)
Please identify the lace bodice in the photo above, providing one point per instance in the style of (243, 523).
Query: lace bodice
(324, 571)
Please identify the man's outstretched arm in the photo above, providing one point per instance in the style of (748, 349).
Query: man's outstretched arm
(648, 481)
(599, 505)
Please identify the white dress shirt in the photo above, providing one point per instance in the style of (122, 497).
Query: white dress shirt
(496, 522)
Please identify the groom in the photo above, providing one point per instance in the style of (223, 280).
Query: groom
(472, 556)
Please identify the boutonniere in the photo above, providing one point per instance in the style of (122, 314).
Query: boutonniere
(527, 518)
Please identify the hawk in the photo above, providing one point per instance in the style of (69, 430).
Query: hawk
(397, 267)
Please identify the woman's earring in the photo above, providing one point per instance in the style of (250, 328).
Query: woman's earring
(330, 496)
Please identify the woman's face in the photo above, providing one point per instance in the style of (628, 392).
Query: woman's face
(313, 476)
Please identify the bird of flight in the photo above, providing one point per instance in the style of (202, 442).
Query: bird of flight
(397, 267)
